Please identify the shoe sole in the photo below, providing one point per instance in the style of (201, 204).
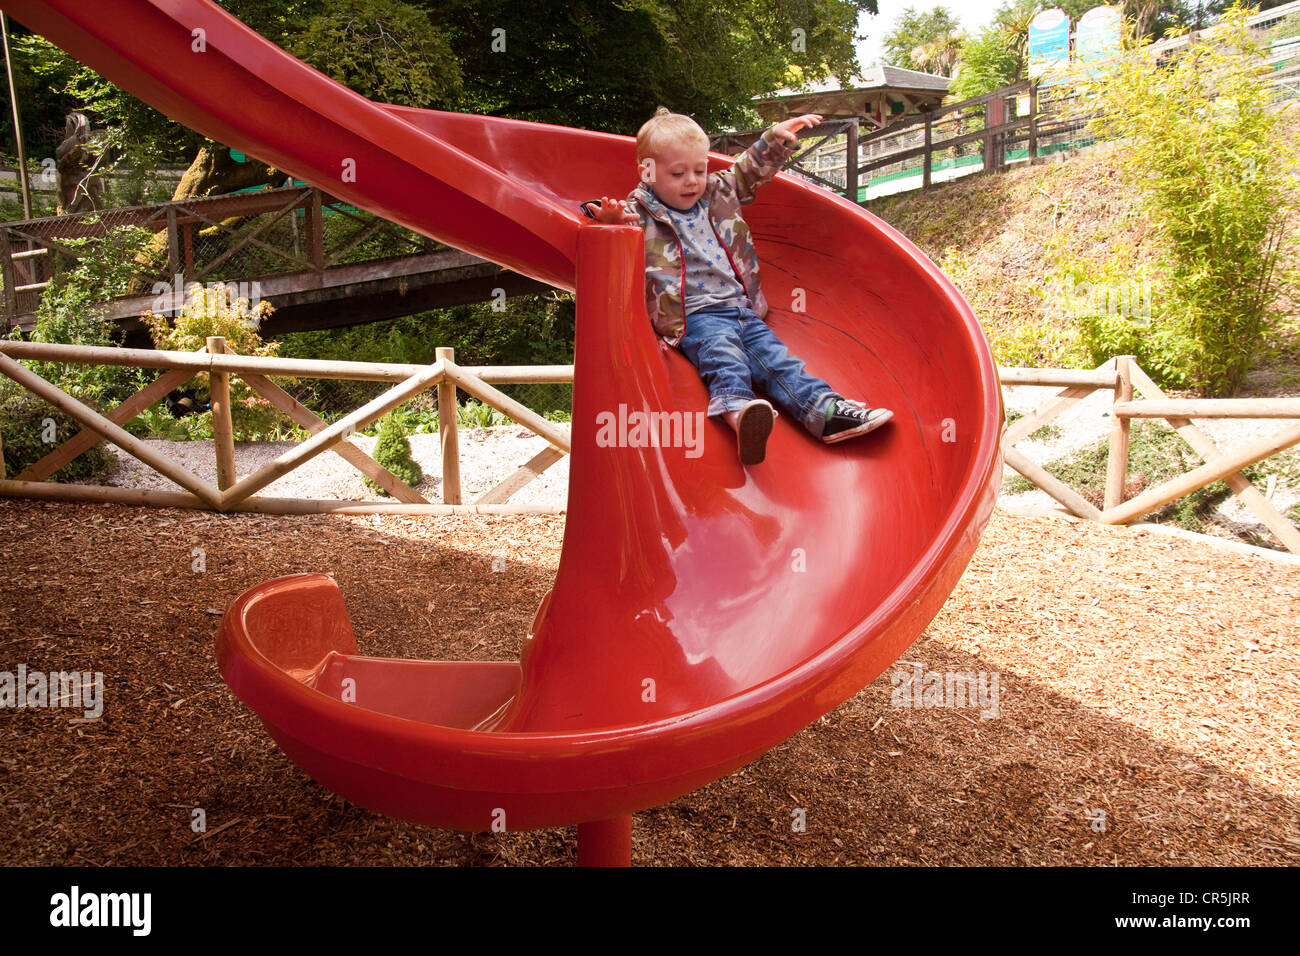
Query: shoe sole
(752, 429)
(861, 429)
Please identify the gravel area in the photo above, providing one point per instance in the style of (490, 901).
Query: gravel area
(487, 456)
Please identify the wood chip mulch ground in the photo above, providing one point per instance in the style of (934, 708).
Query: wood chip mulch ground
(1148, 705)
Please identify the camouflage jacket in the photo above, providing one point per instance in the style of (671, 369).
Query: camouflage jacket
(726, 192)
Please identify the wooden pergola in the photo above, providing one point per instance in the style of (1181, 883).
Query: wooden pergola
(880, 96)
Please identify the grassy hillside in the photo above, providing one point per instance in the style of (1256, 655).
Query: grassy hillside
(1012, 241)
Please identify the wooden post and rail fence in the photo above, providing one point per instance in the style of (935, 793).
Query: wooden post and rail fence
(1124, 378)
(231, 493)
(1120, 375)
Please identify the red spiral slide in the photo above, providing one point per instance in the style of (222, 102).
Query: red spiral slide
(703, 612)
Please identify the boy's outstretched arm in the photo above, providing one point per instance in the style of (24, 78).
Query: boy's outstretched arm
(758, 164)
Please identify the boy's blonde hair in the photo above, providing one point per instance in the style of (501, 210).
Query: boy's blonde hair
(665, 128)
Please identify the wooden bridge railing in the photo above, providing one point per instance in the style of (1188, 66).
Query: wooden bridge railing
(232, 493)
(243, 236)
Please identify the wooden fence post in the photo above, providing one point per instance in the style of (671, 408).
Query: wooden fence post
(315, 232)
(174, 252)
(447, 431)
(927, 158)
(7, 268)
(1117, 464)
(1033, 124)
(851, 162)
(222, 429)
(995, 115)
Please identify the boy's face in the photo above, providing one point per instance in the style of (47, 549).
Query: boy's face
(680, 171)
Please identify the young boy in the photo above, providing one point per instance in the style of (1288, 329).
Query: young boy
(702, 287)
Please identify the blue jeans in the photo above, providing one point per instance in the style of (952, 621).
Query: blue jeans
(735, 351)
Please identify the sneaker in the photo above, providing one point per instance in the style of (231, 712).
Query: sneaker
(753, 425)
(848, 419)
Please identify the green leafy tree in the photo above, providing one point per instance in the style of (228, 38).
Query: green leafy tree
(607, 66)
(1200, 141)
(71, 313)
(919, 31)
(940, 55)
(987, 64)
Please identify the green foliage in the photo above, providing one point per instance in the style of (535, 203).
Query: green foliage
(393, 451)
(563, 61)
(134, 137)
(389, 49)
(71, 313)
(987, 64)
(215, 311)
(1201, 146)
(475, 414)
(530, 330)
(607, 66)
(30, 429)
(914, 31)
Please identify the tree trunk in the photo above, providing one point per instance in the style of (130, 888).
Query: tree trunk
(212, 173)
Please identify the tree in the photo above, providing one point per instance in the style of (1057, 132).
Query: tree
(919, 32)
(586, 63)
(607, 66)
(987, 64)
(940, 55)
(999, 54)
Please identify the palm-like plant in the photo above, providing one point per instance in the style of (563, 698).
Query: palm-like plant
(941, 54)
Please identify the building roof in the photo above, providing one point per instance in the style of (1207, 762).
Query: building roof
(880, 94)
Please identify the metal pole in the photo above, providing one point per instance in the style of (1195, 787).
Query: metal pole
(18, 125)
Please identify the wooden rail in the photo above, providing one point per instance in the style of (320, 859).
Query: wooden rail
(232, 493)
(1120, 375)
(1124, 377)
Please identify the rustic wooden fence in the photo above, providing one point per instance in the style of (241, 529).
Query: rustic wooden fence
(1121, 375)
(1124, 378)
(232, 493)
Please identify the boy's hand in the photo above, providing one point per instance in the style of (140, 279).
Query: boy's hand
(788, 130)
(613, 212)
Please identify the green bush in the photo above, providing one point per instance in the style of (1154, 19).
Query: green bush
(393, 451)
(216, 311)
(26, 422)
(71, 313)
(1200, 144)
